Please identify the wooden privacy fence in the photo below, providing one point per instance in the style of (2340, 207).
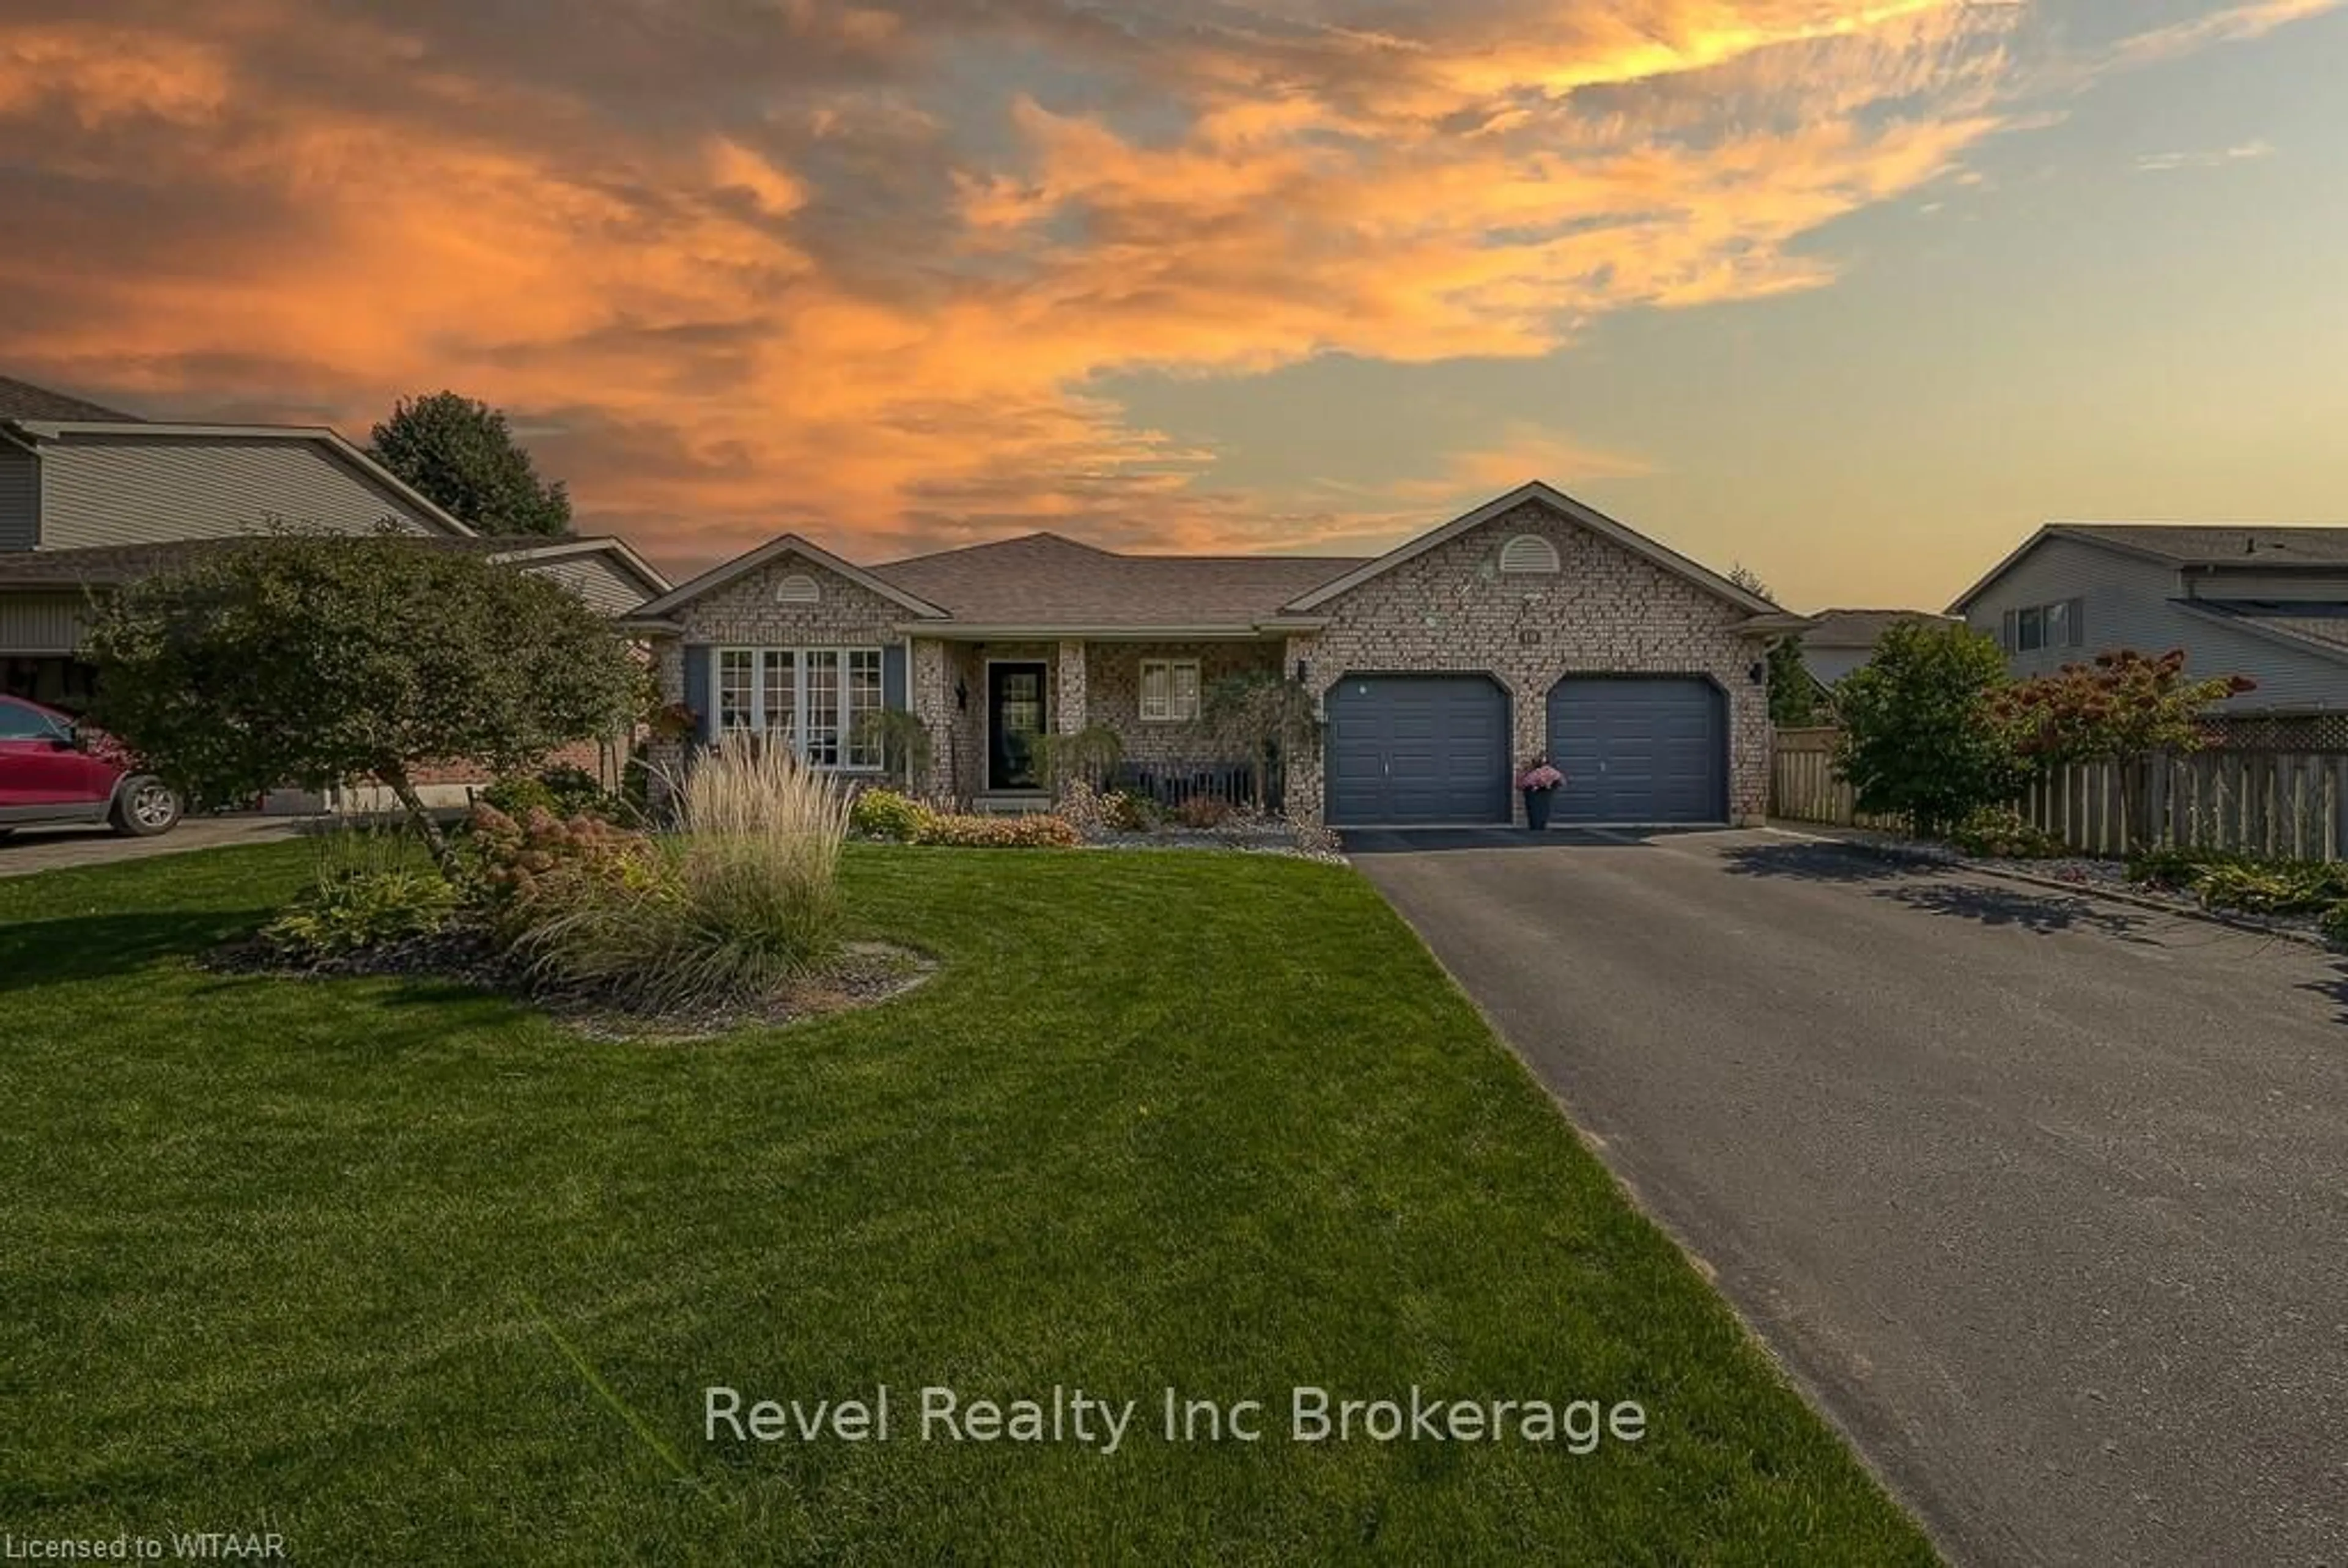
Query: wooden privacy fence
(1803, 786)
(2250, 801)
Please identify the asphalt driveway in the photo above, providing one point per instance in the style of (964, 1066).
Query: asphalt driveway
(2044, 1198)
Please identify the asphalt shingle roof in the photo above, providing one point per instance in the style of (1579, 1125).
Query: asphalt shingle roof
(2204, 544)
(1861, 628)
(1043, 579)
(102, 566)
(2324, 622)
(23, 400)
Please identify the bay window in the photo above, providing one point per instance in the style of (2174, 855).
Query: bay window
(819, 701)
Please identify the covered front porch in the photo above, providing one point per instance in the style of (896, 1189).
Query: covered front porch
(1010, 720)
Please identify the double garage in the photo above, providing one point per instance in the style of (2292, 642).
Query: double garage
(1434, 750)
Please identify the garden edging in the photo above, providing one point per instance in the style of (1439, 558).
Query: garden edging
(1911, 856)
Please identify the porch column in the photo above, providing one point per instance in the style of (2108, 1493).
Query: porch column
(1072, 688)
(930, 694)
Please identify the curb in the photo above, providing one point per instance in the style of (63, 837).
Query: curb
(1907, 856)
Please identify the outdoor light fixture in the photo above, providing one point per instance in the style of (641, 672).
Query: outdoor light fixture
(1756, 672)
(1303, 671)
(961, 695)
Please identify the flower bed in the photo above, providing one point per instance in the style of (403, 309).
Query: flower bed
(1091, 820)
(733, 919)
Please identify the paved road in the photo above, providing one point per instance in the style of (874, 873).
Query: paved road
(2044, 1198)
(30, 849)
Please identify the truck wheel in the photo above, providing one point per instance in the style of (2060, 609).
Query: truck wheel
(144, 807)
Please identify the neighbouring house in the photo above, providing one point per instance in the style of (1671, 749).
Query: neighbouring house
(91, 498)
(1843, 640)
(2268, 603)
(1531, 624)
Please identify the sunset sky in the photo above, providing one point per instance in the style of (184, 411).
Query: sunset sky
(1853, 291)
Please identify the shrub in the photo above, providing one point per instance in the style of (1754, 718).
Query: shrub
(2334, 921)
(2254, 889)
(368, 889)
(1919, 735)
(562, 791)
(516, 796)
(1034, 832)
(2001, 833)
(2226, 881)
(310, 659)
(885, 813)
(904, 743)
(2121, 707)
(2273, 887)
(1086, 757)
(1130, 810)
(1203, 811)
(514, 867)
(742, 900)
(2176, 867)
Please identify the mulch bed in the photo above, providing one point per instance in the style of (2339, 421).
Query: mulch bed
(864, 975)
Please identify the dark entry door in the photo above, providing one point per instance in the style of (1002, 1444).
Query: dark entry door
(1015, 717)
(1417, 749)
(1640, 750)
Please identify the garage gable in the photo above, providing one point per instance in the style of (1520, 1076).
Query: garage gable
(1505, 520)
(1487, 601)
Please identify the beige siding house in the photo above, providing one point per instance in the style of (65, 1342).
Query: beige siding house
(1531, 625)
(91, 497)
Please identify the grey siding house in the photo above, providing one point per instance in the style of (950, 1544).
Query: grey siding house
(2268, 603)
(91, 497)
(1532, 624)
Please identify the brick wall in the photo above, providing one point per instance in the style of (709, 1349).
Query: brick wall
(745, 613)
(1605, 612)
(1113, 685)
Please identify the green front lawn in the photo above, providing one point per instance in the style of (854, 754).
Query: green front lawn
(347, 1259)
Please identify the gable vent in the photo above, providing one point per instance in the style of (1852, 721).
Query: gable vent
(797, 588)
(1529, 553)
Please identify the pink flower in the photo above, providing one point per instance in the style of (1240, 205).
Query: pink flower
(1538, 774)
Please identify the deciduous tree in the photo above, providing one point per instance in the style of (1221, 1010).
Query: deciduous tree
(1920, 735)
(462, 454)
(313, 660)
(2117, 710)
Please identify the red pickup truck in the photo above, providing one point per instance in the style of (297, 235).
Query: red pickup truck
(54, 770)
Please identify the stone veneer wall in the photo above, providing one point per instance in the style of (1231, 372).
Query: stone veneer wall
(1113, 682)
(1605, 612)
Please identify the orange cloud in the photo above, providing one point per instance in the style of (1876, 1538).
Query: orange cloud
(813, 268)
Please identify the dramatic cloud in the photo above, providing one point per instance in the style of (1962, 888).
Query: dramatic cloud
(739, 265)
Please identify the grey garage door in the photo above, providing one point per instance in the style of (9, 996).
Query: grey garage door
(1639, 748)
(1406, 749)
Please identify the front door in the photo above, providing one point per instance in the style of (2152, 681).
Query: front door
(1015, 717)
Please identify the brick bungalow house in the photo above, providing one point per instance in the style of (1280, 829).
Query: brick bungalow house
(1534, 623)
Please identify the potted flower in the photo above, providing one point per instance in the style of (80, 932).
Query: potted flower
(1539, 781)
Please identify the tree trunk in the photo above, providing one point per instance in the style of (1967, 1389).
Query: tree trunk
(427, 826)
